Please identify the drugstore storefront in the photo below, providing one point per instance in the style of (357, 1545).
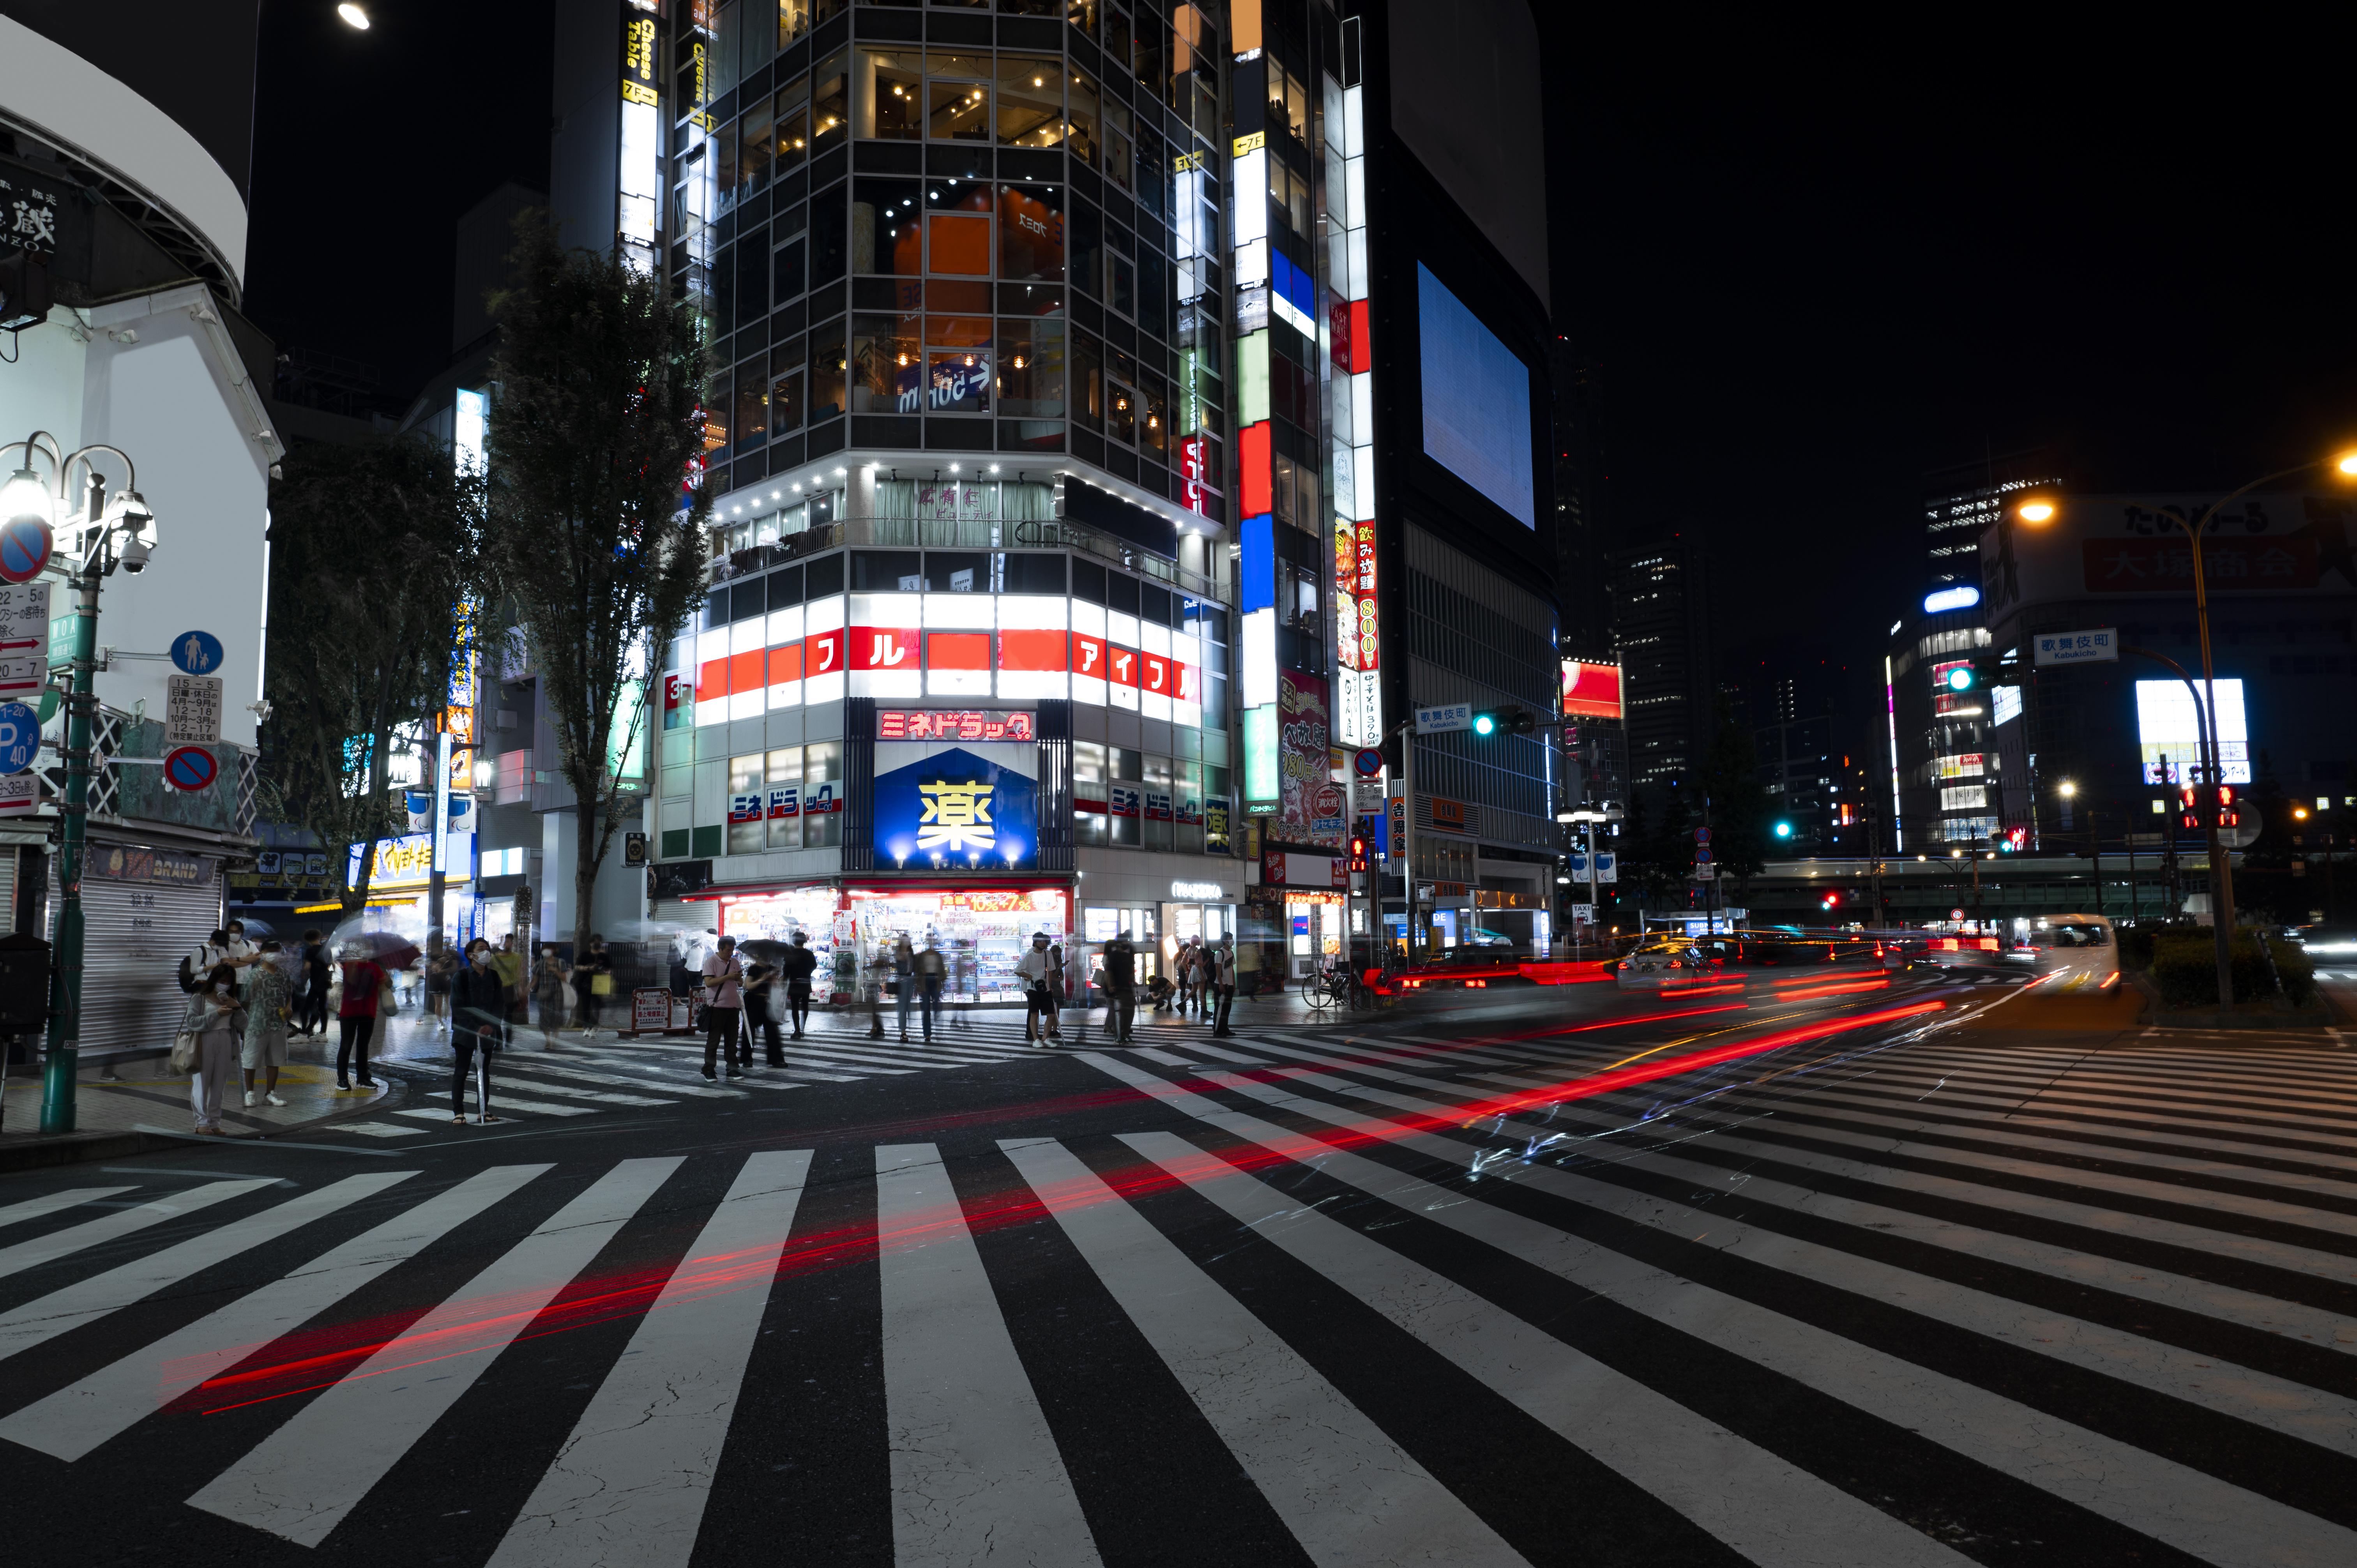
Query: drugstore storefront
(982, 930)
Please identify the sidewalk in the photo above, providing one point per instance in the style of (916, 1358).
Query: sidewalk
(146, 1106)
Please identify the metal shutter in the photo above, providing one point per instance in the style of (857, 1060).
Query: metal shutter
(133, 935)
(8, 853)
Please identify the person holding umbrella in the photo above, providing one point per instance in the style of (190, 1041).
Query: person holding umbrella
(479, 1012)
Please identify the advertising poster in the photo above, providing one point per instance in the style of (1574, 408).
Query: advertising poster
(1304, 761)
(2102, 545)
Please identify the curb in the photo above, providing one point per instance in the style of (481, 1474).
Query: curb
(75, 1148)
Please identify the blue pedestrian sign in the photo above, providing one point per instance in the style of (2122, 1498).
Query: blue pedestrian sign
(189, 768)
(20, 737)
(196, 652)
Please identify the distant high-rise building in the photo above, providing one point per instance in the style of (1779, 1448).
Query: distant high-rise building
(1961, 501)
(1660, 630)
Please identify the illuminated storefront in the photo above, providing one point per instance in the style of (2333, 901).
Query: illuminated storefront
(981, 931)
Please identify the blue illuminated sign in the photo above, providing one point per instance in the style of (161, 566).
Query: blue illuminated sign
(955, 807)
(1963, 596)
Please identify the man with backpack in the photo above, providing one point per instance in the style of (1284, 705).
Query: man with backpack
(1223, 986)
(1041, 968)
(1121, 985)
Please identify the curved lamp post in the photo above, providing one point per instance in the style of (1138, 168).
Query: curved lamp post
(108, 533)
(2037, 510)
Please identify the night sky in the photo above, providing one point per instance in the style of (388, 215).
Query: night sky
(1807, 276)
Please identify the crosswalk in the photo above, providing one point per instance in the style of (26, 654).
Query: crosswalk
(639, 1076)
(1895, 1298)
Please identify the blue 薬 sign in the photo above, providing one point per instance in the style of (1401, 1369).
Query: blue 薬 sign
(956, 808)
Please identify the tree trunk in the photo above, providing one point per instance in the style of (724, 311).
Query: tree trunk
(379, 779)
(586, 854)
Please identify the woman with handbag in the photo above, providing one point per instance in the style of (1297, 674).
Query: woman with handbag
(269, 1008)
(479, 1027)
(206, 1048)
(365, 986)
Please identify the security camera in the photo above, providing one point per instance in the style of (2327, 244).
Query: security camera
(135, 555)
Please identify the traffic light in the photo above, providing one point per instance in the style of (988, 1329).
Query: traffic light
(1503, 721)
(2229, 815)
(1358, 848)
(1783, 829)
(2189, 814)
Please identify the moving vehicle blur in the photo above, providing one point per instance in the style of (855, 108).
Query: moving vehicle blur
(2083, 954)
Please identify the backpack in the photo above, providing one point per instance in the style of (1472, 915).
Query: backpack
(187, 976)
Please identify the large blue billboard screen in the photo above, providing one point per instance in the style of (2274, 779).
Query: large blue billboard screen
(1477, 401)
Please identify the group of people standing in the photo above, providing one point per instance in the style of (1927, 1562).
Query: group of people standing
(1204, 971)
(736, 998)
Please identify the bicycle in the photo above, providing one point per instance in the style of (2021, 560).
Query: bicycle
(1335, 984)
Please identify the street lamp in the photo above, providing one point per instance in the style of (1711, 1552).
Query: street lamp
(2037, 512)
(119, 531)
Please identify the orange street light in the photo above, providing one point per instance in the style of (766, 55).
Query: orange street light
(2036, 509)
(2346, 462)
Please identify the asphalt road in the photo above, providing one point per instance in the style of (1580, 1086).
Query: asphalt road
(1791, 1274)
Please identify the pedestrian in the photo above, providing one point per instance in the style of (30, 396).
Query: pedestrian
(931, 970)
(1183, 966)
(439, 969)
(510, 963)
(548, 993)
(364, 979)
(762, 985)
(269, 1007)
(724, 1008)
(318, 983)
(798, 964)
(1223, 985)
(242, 952)
(1121, 985)
(879, 975)
(479, 1012)
(1039, 969)
(592, 981)
(904, 975)
(1207, 965)
(217, 1024)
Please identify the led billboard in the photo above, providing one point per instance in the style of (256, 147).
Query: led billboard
(2166, 728)
(1591, 690)
(1477, 401)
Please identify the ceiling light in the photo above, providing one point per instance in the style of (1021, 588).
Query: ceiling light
(993, 467)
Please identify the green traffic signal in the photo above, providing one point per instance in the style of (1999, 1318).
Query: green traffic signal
(1961, 678)
(1485, 724)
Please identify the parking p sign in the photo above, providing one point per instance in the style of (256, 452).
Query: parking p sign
(20, 737)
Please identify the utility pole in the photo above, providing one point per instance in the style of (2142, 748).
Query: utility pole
(2095, 853)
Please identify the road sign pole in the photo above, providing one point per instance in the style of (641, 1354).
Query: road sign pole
(60, 1068)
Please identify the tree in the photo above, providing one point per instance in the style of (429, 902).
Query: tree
(592, 526)
(1739, 806)
(373, 549)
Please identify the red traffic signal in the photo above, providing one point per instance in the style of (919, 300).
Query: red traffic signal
(1358, 852)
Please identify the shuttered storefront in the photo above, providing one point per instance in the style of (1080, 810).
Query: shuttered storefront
(134, 935)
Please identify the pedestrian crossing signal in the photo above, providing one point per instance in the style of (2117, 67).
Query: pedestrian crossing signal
(1357, 852)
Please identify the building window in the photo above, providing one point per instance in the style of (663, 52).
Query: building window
(889, 86)
(830, 99)
(1030, 101)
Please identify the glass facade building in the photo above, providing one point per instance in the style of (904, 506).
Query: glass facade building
(965, 669)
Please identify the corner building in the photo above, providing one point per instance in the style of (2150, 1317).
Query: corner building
(964, 669)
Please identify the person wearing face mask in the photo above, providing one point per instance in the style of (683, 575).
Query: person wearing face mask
(478, 1027)
(218, 1022)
